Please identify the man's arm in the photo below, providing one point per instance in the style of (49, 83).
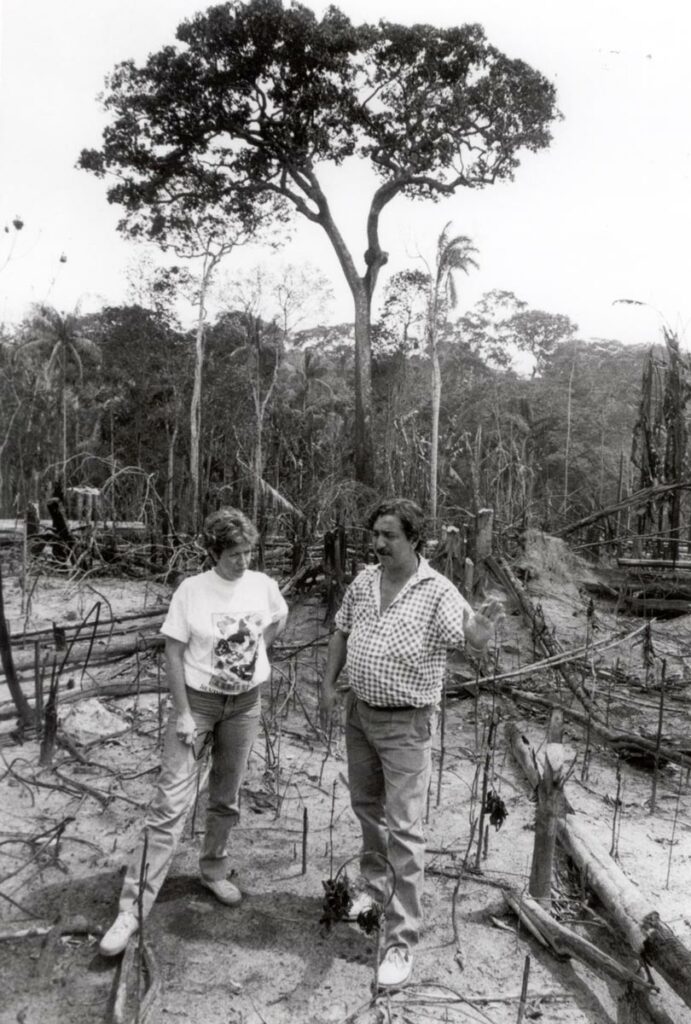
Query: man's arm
(335, 660)
(175, 674)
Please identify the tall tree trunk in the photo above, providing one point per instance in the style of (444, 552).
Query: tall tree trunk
(196, 413)
(567, 443)
(434, 453)
(364, 436)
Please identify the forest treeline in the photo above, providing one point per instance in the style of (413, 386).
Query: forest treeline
(102, 400)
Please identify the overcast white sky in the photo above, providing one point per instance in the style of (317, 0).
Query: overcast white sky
(603, 214)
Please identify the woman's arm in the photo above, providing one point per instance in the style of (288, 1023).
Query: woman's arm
(273, 630)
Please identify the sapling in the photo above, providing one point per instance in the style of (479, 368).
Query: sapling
(658, 739)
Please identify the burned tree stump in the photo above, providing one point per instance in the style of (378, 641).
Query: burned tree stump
(63, 547)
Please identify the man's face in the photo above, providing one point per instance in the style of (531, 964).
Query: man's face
(233, 561)
(392, 547)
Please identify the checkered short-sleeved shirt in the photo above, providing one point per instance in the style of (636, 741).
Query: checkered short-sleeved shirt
(399, 657)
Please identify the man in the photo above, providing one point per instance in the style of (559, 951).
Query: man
(393, 630)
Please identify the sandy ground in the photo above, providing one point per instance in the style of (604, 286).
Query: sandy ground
(269, 960)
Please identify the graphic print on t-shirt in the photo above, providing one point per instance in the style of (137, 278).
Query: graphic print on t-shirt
(235, 648)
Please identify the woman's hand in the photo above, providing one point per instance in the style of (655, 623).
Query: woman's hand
(185, 727)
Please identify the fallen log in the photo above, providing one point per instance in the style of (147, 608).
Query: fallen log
(99, 653)
(639, 498)
(565, 942)
(618, 740)
(575, 655)
(125, 689)
(19, 639)
(647, 935)
(642, 926)
(541, 633)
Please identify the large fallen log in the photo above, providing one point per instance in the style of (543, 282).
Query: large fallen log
(619, 740)
(100, 653)
(639, 498)
(541, 633)
(639, 923)
(642, 926)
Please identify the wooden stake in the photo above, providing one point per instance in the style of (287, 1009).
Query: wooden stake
(485, 786)
(524, 991)
(442, 732)
(331, 829)
(38, 686)
(674, 827)
(614, 846)
(50, 723)
(143, 872)
(305, 826)
(658, 740)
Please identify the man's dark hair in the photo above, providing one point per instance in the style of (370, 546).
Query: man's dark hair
(225, 528)
(411, 517)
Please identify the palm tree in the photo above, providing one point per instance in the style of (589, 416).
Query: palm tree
(59, 336)
(453, 254)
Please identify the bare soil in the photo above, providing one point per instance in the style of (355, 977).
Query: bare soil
(270, 960)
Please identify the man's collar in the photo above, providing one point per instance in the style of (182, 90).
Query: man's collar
(424, 570)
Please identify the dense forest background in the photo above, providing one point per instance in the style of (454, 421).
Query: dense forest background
(533, 421)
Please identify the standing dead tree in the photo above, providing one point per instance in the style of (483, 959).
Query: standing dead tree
(659, 441)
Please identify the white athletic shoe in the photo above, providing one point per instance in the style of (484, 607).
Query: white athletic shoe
(223, 890)
(395, 968)
(119, 933)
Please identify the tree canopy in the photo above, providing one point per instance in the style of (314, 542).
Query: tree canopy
(260, 95)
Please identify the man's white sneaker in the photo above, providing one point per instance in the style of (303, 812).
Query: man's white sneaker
(223, 890)
(395, 968)
(360, 905)
(119, 933)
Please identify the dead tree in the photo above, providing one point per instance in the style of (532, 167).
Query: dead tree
(26, 717)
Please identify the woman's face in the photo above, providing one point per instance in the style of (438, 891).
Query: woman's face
(233, 561)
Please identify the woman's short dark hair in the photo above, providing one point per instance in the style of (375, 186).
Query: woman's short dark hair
(411, 517)
(225, 528)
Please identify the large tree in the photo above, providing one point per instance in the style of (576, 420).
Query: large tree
(260, 96)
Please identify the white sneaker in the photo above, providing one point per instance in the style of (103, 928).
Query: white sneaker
(396, 967)
(223, 890)
(119, 934)
(360, 905)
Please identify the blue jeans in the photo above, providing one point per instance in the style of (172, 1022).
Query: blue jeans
(228, 724)
(389, 763)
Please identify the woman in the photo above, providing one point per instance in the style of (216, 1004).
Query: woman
(218, 628)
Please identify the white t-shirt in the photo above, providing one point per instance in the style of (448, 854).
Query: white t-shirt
(222, 623)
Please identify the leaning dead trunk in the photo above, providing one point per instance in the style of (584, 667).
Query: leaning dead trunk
(26, 717)
(649, 937)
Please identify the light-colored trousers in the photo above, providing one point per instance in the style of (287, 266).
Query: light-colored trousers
(389, 762)
(229, 725)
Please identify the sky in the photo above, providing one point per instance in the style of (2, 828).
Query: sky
(604, 214)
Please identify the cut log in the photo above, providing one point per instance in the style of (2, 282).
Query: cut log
(565, 942)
